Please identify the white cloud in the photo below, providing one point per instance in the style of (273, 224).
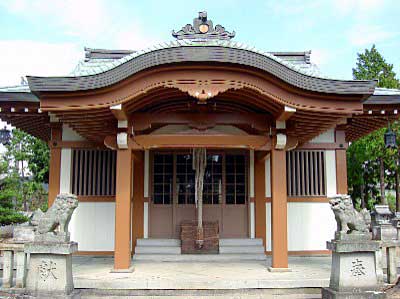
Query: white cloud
(356, 7)
(95, 23)
(24, 57)
(88, 19)
(320, 57)
(363, 34)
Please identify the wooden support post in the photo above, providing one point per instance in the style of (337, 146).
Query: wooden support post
(138, 199)
(279, 211)
(55, 163)
(259, 192)
(122, 254)
(341, 171)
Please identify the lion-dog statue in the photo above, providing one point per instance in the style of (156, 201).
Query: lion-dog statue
(349, 219)
(57, 216)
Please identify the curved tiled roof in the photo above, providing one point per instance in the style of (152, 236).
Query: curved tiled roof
(106, 74)
(18, 93)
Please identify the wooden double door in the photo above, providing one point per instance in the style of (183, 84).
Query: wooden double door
(224, 193)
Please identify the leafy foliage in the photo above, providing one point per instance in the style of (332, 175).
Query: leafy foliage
(24, 170)
(371, 66)
(364, 155)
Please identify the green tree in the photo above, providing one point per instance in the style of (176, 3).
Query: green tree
(372, 66)
(24, 169)
(367, 157)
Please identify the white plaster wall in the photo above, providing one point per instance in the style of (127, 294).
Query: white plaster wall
(326, 137)
(330, 172)
(268, 231)
(268, 176)
(310, 225)
(65, 171)
(93, 226)
(70, 135)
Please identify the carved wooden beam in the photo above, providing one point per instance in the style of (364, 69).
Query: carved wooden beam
(119, 112)
(257, 121)
(208, 141)
(286, 113)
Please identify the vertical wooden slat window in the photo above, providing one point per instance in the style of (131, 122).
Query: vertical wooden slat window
(163, 172)
(93, 172)
(305, 173)
(236, 177)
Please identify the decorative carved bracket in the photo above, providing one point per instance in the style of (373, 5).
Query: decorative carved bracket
(204, 89)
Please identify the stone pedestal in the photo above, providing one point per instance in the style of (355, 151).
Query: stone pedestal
(391, 259)
(13, 252)
(353, 273)
(50, 270)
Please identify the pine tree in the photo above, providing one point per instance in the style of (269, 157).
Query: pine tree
(367, 156)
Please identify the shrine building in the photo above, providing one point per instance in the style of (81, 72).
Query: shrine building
(123, 124)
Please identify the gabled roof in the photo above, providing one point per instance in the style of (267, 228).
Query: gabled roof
(94, 73)
(384, 96)
(17, 93)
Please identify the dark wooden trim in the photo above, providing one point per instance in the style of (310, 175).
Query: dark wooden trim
(324, 146)
(305, 252)
(303, 199)
(110, 198)
(76, 144)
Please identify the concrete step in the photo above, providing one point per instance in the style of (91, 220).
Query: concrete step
(158, 242)
(157, 250)
(240, 242)
(227, 257)
(241, 249)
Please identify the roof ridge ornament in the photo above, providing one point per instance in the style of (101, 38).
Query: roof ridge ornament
(203, 30)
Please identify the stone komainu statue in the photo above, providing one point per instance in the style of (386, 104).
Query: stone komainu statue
(57, 216)
(349, 219)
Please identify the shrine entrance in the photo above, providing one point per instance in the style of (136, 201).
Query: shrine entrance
(225, 195)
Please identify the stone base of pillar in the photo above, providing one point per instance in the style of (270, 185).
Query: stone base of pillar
(354, 270)
(277, 270)
(43, 295)
(328, 293)
(50, 270)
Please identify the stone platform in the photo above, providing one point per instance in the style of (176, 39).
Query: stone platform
(307, 272)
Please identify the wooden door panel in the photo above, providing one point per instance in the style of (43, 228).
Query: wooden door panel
(234, 222)
(161, 221)
(183, 213)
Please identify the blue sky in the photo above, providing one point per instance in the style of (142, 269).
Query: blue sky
(45, 37)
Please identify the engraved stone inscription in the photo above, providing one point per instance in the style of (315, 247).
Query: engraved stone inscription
(357, 268)
(46, 269)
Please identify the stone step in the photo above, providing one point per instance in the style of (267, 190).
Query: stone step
(158, 250)
(199, 257)
(158, 242)
(240, 242)
(241, 249)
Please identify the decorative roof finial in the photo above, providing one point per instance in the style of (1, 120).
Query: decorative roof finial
(202, 30)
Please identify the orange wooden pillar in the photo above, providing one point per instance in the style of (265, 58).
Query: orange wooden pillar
(341, 171)
(138, 197)
(279, 211)
(54, 163)
(259, 194)
(122, 252)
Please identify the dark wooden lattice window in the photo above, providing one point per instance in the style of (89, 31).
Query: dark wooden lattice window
(236, 177)
(305, 173)
(93, 172)
(163, 172)
(185, 179)
(212, 188)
